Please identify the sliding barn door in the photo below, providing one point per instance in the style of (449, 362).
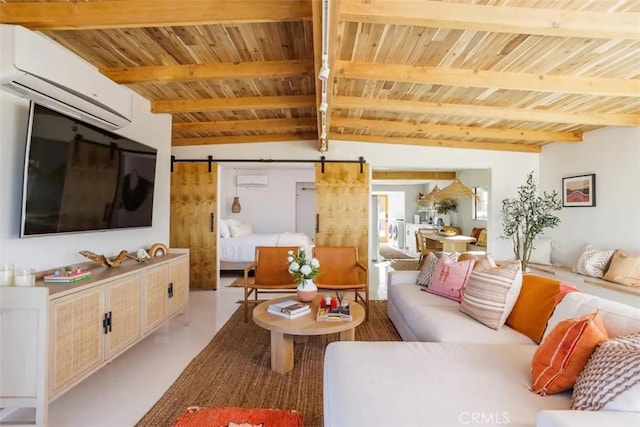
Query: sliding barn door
(342, 206)
(193, 219)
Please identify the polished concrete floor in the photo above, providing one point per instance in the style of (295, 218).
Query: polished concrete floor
(119, 394)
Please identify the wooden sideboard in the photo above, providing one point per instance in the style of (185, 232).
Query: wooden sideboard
(52, 336)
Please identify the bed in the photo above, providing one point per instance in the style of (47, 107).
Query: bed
(237, 248)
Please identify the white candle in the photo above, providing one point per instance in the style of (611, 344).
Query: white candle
(6, 275)
(25, 277)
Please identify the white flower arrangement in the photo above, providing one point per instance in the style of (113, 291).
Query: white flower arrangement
(302, 267)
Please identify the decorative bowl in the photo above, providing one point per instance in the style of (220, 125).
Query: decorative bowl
(447, 233)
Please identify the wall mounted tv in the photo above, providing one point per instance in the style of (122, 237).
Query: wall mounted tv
(78, 177)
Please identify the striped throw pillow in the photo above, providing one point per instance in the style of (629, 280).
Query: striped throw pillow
(558, 361)
(491, 294)
(611, 379)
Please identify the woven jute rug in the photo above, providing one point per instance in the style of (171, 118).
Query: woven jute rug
(234, 370)
(389, 252)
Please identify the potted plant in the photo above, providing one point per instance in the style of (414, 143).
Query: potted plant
(526, 216)
(305, 269)
(445, 206)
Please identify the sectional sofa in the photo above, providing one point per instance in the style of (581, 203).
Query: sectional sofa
(453, 371)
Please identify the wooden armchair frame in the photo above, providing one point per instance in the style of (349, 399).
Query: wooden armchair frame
(271, 275)
(341, 270)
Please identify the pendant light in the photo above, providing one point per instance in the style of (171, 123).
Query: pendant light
(430, 198)
(456, 190)
(235, 206)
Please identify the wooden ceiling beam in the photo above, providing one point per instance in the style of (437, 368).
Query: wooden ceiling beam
(334, 41)
(226, 104)
(482, 111)
(444, 143)
(244, 125)
(149, 13)
(241, 139)
(489, 79)
(419, 175)
(224, 71)
(501, 19)
(453, 130)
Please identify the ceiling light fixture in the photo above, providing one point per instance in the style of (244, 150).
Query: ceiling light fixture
(324, 74)
(235, 206)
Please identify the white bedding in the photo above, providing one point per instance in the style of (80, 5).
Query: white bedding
(243, 248)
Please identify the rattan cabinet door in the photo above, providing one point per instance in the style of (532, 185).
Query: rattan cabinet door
(155, 291)
(179, 276)
(76, 336)
(123, 305)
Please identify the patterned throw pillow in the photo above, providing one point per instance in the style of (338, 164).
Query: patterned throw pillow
(491, 294)
(449, 278)
(564, 353)
(611, 379)
(428, 265)
(593, 262)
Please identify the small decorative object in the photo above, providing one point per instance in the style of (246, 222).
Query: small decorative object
(6, 274)
(102, 260)
(526, 216)
(69, 276)
(158, 250)
(305, 269)
(579, 191)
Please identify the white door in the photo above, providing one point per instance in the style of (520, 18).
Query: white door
(306, 208)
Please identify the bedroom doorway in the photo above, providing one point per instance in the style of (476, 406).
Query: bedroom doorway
(306, 208)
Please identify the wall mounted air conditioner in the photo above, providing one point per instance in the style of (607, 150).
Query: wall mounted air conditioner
(35, 67)
(252, 180)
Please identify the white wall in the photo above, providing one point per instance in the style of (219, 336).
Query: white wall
(60, 250)
(613, 154)
(507, 169)
(270, 209)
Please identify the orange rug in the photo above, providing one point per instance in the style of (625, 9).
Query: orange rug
(241, 417)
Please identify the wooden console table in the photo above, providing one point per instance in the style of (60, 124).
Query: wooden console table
(55, 335)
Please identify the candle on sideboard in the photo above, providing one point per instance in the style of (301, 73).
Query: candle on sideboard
(6, 274)
(24, 277)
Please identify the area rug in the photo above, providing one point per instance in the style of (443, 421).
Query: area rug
(409, 264)
(389, 252)
(234, 370)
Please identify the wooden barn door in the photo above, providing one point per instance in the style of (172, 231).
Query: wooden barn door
(194, 217)
(342, 206)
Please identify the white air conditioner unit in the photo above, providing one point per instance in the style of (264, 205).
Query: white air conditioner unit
(252, 180)
(35, 67)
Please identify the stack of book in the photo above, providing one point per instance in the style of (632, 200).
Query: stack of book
(329, 314)
(289, 309)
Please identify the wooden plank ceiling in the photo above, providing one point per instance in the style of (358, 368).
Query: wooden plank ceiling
(489, 74)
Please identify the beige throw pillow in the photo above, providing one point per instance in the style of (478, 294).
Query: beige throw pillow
(624, 269)
(593, 262)
(491, 294)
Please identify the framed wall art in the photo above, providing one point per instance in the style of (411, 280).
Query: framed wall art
(579, 190)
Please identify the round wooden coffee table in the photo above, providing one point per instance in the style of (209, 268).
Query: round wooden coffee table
(283, 330)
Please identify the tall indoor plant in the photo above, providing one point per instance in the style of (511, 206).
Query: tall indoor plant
(444, 207)
(526, 216)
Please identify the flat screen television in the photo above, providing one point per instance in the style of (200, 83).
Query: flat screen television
(78, 177)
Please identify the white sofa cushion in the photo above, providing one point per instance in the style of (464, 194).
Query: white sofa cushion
(618, 318)
(554, 418)
(436, 384)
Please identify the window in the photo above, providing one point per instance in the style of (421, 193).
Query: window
(480, 203)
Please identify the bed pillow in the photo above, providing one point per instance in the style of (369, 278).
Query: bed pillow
(593, 262)
(223, 227)
(541, 252)
(240, 230)
(449, 278)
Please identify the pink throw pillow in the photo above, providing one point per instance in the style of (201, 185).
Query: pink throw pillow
(449, 278)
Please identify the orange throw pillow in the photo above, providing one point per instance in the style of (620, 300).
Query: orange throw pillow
(564, 353)
(535, 304)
